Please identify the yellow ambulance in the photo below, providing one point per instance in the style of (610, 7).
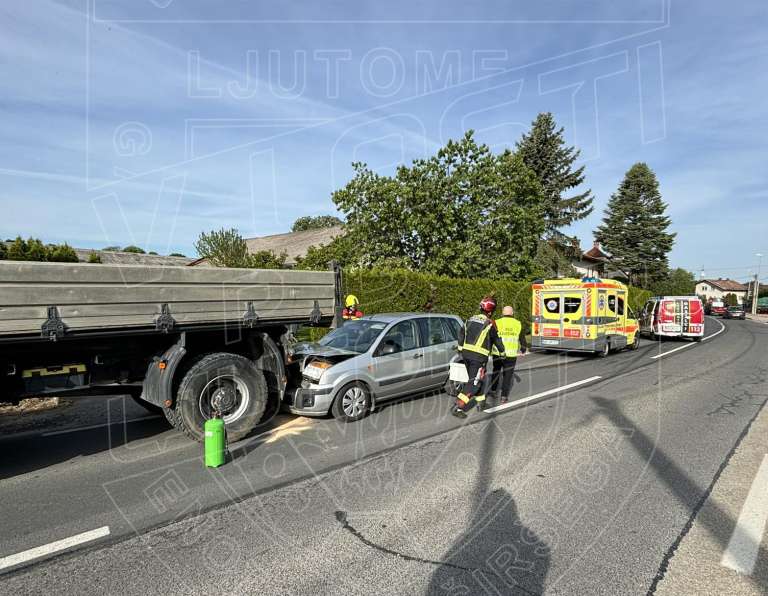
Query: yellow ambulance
(582, 315)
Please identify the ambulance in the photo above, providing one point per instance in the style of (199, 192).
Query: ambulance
(673, 316)
(582, 315)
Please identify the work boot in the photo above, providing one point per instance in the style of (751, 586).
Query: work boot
(481, 406)
(458, 412)
(504, 399)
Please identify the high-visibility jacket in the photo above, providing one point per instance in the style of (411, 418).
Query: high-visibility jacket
(478, 336)
(509, 329)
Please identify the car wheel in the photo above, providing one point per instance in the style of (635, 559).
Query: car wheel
(453, 388)
(352, 403)
(606, 349)
(229, 382)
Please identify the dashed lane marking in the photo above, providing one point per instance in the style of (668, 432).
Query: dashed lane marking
(543, 394)
(54, 547)
(741, 552)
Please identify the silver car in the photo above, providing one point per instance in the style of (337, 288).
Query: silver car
(370, 360)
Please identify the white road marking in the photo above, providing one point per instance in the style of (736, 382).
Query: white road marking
(74, 430)
(742, 550)
(672, 351)
(722, 328)
(54, 547)
(531, 398)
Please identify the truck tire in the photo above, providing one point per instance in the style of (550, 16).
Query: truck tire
(229, 379)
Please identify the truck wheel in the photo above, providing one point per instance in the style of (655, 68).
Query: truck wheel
(228, 381)
(352, 403)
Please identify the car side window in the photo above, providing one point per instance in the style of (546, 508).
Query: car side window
(612, 303)
(432, 331)
(452, 327)
(621, 305)
(402, 337)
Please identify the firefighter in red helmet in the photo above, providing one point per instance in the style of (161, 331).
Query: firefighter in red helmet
(476, 339)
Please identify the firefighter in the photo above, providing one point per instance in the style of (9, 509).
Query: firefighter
(351, 310)
(510, 331)
(475, 341)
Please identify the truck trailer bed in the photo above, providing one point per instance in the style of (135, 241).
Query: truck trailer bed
(51, 300)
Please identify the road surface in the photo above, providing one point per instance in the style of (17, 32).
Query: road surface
(588, 487)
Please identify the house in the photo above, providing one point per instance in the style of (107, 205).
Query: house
(716, 289)
(294, 244)
(592, 262)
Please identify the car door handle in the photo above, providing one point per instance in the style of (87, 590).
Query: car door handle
(418, 355)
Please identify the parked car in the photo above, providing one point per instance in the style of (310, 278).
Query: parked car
(717, 308)
(735, 312)
(368, 361)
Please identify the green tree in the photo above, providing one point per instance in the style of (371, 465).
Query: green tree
(309, 222)
(678, 282)
(730, 299)
(177, 254)
(62, 253)
(554, 258)
(318, 258)
(111, 248)
(223, 248)
(463, 212)
(267, 259)
(3, 251)
(634, 228)
(94, 257)
(134, 249)
(543, 150)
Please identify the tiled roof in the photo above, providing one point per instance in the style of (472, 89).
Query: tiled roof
(130, 258)
(726, 285)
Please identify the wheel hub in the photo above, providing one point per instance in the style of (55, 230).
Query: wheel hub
(223, 399)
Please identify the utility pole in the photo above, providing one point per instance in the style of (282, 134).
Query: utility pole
(756, 291)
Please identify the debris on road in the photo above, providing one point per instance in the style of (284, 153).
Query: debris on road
(32, 405)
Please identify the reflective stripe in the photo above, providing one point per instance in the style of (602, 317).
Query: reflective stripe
(478, 345)
(463, 398)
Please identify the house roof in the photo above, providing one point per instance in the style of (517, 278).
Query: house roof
(294, 244)
(596, 253)
(109, 257)
(726, 285)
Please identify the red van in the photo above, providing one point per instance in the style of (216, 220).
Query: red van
(673, 316)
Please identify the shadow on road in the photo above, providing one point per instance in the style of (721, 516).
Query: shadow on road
(718, 523)
(497, 553)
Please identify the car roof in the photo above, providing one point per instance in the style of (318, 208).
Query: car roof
(389, 317)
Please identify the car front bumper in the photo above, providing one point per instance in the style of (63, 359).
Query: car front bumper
(309, 400)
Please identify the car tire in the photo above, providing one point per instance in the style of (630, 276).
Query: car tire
(452, 388)
(635, 345)
(236, 378)
(606, 349)
(352, 403)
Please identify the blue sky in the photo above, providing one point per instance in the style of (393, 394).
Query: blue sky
(147, 122)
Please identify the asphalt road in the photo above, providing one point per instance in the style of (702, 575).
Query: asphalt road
(586, 491)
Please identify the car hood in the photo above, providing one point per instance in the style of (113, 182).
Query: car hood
(305, 349)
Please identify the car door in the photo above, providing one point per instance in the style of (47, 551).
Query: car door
(439, 348)
(403, 370)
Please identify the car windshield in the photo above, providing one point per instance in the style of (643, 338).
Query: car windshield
(355, 336)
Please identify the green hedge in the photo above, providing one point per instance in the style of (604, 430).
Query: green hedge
(406, 291)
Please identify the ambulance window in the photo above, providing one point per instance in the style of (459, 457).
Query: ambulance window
(571, 304)
(621, 305)
(552, 305)
(612, 303)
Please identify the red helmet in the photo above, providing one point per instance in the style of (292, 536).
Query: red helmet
(488, 305)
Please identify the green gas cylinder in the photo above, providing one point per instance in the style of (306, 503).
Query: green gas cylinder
(215, 442)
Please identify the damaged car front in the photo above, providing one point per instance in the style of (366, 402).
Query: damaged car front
(320, 369)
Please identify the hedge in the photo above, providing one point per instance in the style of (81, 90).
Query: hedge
(406, 291)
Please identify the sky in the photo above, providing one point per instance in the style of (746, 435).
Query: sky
(149, 121)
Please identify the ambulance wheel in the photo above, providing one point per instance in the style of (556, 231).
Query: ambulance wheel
(229, 382)
(352, 403)
(635, 344)
(606, 349)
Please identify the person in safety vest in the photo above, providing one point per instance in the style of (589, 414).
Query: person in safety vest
(510, 331)
(476, 339)
(351, 309)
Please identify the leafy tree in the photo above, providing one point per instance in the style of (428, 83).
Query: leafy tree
(544, 151)
(227, 248)
(634, 227)
(3, 250)
(267, 259)
(152, 252)
(94, 257)
(463, 212)
(730, 299)
(554, 257)
(111, 248)
(134, 249)
(678, 282)
(177, 254)
(223, 248)
(318, 258)
(309, 222)
(61, 253)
